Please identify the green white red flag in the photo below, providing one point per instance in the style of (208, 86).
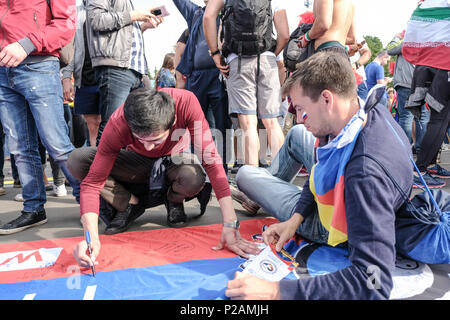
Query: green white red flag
(427, 37)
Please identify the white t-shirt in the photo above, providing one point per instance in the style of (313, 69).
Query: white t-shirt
(277, 5)
(355, 58)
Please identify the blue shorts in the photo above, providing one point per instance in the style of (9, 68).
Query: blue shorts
(87, 100)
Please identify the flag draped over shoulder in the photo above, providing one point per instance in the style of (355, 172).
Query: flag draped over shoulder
(326, 181)
(427, 37)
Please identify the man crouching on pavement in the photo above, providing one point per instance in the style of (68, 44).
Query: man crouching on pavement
(143, 160)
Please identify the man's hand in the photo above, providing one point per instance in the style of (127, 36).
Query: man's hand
(12, 55)
(302, 42)
(68, 89)
(281, 232)
(151, 22)
(221, 65)
(90, 223)
(81, 254)
(146, 16)
(248, 287)
(231, 239)
(353, 49)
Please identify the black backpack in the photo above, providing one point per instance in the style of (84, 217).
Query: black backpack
(247, 27)
(292, 54)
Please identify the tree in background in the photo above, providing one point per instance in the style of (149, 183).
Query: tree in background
(376, 46)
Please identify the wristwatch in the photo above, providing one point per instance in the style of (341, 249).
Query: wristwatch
(235, 224)
(357, 64)
(213, 53)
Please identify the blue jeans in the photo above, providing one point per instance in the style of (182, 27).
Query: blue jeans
(211, 94)
(2, 154)
(272, 188)
(362, 90)
(31, 102)
(405, 117)
(115, 84)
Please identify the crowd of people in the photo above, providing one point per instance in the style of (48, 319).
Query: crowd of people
(142, 145)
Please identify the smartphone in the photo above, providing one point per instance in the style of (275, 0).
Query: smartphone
(161, 11)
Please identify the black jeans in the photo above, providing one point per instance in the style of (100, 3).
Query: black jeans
(433, 138)
(130, 174)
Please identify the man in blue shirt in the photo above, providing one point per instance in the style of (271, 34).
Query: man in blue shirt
(375, 71)
(202, 75)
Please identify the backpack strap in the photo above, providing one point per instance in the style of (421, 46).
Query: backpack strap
(239, 56)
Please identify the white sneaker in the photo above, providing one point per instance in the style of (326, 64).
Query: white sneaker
(59, 191)
(19, 197)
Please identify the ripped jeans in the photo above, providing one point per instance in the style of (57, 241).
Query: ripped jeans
(31, 104)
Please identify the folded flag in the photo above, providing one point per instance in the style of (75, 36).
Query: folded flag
(327, 178)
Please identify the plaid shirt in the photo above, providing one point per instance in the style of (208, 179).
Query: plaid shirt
(137, 58)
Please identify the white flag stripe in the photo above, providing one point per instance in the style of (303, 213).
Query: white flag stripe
(29, 296)
(90, 293)
(426, 32)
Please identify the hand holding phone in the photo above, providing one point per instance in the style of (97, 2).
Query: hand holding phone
(160, 11)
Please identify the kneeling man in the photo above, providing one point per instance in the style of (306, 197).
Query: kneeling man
(349, 199)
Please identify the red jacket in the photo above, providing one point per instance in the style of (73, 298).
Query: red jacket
(47, 30)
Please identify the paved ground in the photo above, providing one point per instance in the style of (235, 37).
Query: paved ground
(63, 222)
(63, 212)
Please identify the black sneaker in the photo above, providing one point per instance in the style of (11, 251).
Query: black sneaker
(432, 182)
(437, 171)
(176, 217)
(123, 219)
(204, 197)
(107, 212)
(17, 183)
(236, 167)
(2, 189)
(25, 221)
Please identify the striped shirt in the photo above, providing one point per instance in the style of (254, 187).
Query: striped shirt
(137, 58)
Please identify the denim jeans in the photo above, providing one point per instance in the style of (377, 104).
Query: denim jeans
(213, 99)
(362, 90)
(272, 188)
(405, 117)
(31, 103)
(115, 84)
(2, 154)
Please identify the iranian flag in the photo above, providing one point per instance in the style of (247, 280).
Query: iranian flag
(427, 37)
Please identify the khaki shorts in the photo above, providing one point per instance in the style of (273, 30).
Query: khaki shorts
(241, 87)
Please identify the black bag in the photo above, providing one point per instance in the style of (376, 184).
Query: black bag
(292, 54)
(247, 27)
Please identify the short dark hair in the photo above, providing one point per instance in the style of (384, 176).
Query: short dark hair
(323, 71)
(148, 111)
(382, 54)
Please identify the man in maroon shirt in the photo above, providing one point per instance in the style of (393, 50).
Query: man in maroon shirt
(145, 148)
